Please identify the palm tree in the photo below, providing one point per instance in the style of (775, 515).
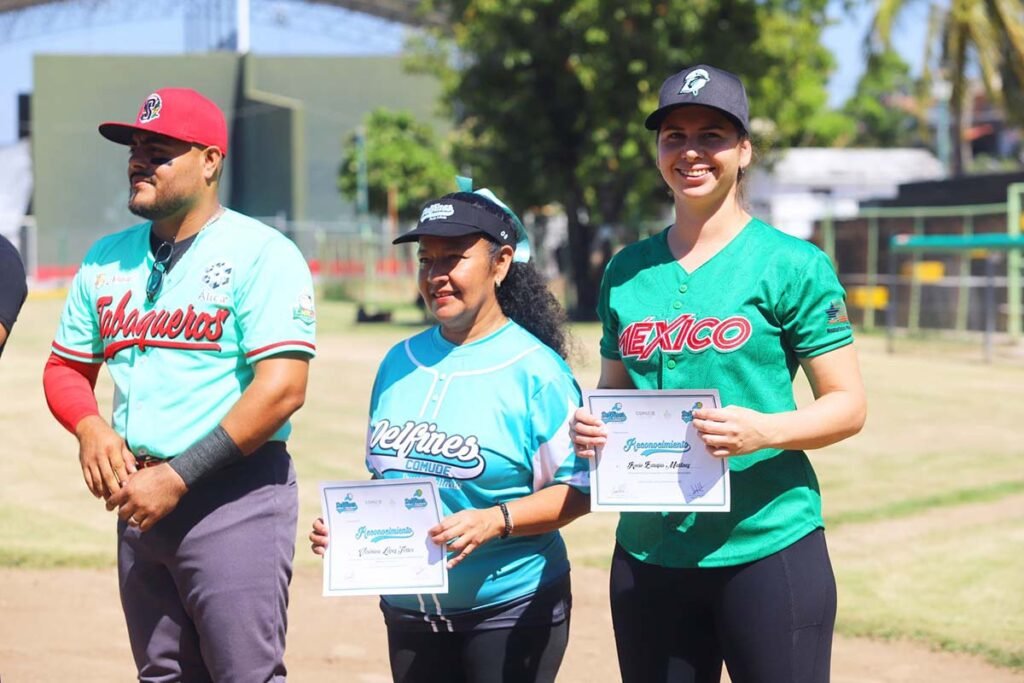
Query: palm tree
(988, 34)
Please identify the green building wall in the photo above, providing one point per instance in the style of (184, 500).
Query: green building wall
(287, 117)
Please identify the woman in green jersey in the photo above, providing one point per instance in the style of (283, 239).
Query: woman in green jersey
(722, 300)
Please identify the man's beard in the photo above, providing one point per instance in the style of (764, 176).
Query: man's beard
(158, 210)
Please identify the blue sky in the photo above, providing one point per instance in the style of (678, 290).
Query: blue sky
(285, 28)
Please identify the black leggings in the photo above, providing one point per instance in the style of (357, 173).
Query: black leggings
(769, 621)
(521, 654)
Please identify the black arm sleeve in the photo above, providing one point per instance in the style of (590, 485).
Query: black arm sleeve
(12, 285)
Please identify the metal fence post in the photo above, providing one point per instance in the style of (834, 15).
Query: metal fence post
(1013, 261)
(871, 280)
(964, 288)
(990, 303)
(890, 310)
(914, 309)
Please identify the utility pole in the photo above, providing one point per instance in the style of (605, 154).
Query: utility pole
(242, 36)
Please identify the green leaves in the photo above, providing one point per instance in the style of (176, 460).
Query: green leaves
(401, 153)
(884, 105)
(982, 35)
(549, 96)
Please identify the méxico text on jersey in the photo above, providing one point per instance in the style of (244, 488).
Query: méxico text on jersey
(642, 338)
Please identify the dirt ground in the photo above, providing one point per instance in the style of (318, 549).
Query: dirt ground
(65, 625)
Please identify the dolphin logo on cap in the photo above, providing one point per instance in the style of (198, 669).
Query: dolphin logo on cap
(694, 81)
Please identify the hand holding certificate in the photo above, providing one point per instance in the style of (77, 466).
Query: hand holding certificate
(654, 460)
(379, 540)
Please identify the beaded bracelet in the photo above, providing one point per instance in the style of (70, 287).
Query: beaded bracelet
(507, 531)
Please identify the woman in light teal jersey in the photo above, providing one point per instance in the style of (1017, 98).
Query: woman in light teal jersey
(722, 300)
(491, 377)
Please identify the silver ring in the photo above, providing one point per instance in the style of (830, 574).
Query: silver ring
(132, 521)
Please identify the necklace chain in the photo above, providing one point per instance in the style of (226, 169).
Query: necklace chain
(216, 214)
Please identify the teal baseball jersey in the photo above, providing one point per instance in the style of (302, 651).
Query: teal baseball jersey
(241, 293)
(489, 421)
(740, 323)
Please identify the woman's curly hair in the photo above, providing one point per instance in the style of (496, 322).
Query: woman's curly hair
(524, 295)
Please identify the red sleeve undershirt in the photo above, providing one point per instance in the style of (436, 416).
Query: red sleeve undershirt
(68, 386)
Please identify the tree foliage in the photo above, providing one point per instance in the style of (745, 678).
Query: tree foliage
(986, 35)
(884, 104)
(550, 96)
(401, 153)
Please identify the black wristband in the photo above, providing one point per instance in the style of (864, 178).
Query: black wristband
(209, 454)
(507, 531)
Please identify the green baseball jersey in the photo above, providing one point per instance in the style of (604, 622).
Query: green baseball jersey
(739, 324)
(241, 293)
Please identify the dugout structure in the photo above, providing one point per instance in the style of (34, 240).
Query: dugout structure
(989, 247)
(931, 268)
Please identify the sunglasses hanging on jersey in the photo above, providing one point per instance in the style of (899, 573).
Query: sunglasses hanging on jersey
(156, 276)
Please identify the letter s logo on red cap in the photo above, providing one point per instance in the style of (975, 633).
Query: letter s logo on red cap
(150, 108)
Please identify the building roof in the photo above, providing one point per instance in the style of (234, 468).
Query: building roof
(403, 11)
(825, 168)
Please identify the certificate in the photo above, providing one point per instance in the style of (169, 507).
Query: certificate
(377, 537)
(654, 459)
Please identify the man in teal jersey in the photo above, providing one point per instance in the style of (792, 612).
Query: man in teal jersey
(205, 320)
(722, 300)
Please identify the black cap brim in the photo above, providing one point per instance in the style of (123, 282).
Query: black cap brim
(121, 133)
(437, 229)
(654, 121)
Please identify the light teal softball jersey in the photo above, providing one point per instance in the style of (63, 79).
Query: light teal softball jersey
(489, 420)
(241, 293)
(739, 323)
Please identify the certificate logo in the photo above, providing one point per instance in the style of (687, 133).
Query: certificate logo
(347, 505)
(688, 414)
(416, 501)
(613, 415)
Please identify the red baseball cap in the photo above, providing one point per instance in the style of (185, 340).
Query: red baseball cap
(179, 113)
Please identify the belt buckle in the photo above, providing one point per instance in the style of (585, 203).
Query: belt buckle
(144, 461)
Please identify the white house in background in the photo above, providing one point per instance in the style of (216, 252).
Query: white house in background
(805, 184)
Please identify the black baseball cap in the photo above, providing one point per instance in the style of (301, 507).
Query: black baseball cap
(704, 85)
(453, 216)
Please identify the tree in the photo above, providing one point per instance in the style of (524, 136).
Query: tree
(987, 34)
(403, 156)
(550, 96)
(884, 104)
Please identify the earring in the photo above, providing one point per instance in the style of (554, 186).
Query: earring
(497, 284)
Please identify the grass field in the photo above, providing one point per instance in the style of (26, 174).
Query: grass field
(925, 508)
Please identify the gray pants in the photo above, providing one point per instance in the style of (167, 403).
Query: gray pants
(205, 591)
